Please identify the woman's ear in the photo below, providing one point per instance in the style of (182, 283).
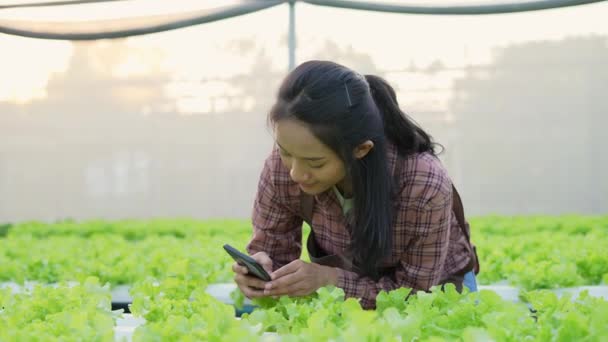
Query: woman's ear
(363, 149)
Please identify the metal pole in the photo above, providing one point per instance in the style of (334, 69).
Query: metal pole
(292, 35)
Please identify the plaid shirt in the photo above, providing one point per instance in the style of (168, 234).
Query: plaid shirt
(428, 244)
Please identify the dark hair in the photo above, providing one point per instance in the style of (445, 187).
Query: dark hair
(344, 109)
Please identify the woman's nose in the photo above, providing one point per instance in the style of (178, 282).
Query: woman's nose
(298, 175)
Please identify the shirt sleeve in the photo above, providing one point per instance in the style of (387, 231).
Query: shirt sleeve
(277, 229)
(423, 226)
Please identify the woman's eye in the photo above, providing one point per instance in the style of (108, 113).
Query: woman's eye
(317, 166)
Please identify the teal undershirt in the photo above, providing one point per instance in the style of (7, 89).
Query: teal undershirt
(345, 203)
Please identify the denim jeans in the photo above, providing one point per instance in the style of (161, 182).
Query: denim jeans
(470, 282)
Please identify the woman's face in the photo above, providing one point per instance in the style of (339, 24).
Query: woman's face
(313, 165)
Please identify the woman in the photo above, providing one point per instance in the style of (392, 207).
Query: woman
(365, 177)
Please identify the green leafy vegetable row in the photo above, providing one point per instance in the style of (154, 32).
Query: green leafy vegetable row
(529, 252)
(63, 313)
(542, 252)
(436, 316)
(326, 316)
(178, 309)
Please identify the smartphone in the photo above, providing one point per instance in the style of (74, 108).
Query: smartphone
(243, 259)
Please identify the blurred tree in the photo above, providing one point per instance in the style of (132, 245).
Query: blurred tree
(532, 128)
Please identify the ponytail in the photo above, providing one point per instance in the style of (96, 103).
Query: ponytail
(399, 128)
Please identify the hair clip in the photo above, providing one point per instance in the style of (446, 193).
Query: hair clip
(350, 103)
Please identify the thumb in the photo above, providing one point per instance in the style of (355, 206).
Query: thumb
(263, 259)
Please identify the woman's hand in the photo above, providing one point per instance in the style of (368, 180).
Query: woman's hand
(251, 286)
(299, 278)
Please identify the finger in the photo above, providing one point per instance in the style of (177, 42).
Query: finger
(287, 269)
(292, 289)
(263, 259)
(284, 285)
(251, 293)
(297, 289)
(249, 281)
(239, 269)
